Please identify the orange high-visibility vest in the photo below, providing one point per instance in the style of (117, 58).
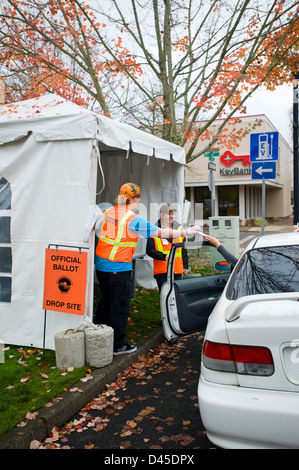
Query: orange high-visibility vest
(164, 246)
(116, 241)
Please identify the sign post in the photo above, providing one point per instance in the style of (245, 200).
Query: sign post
(212, 167)
(263, 157)
(296, 147)
(64, 281)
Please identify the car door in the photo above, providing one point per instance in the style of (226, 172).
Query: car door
(186, 304)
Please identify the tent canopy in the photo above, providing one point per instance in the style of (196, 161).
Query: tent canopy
(50, 151)
(51, 117)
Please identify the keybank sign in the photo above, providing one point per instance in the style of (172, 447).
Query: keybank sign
(228, 159)
(235, 171)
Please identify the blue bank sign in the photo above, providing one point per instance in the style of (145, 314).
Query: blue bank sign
(263, 155)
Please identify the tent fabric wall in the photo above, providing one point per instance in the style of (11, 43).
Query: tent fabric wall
(47, 155)
(160, 181)
(50, 199)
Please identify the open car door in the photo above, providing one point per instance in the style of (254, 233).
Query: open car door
(186, 304)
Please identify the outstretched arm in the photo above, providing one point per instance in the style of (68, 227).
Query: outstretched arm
(176, 233)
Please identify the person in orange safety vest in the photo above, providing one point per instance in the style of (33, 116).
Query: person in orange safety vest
(159, 248)
(117, 240)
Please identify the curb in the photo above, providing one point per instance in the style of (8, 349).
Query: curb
(268, 229)
(71, 403)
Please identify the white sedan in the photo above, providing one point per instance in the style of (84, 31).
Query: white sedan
(249, 383)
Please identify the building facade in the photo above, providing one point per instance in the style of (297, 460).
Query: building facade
(234, 192)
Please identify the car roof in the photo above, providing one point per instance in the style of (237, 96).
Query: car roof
(277, 239)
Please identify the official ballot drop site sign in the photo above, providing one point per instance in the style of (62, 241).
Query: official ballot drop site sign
(65, 281)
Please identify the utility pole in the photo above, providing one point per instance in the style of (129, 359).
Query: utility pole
(296, 148)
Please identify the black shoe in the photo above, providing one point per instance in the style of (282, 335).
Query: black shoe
(126, 349)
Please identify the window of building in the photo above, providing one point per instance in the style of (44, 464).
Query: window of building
(228, 197)
(253, 200)
(202, 195)
(5, 241)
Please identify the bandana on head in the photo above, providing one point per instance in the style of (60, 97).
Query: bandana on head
(128, 190)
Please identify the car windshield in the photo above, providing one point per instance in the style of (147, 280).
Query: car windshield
(265, 271)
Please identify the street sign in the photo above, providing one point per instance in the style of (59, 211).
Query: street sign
(263, 157)
(263, 170)
(264, 147)
(211, 154)
(212, 166)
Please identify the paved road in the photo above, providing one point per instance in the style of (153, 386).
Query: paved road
(152, 405)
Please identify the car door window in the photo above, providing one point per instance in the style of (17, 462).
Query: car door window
(188, 302)
(203, 260)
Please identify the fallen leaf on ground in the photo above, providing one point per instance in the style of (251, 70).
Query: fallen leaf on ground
(85, 379)
(31, 415)
(35, 444)
(146, 411)
(24, 379)
(22, 424)
(44, 376)
(89, 446)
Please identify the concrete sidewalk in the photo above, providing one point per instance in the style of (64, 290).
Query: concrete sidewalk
(253, 232)
(69, 403)
(271, 228)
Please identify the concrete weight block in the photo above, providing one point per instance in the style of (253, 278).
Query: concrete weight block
(70, 349)
(99, 345)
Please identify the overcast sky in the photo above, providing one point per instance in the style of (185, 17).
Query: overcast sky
(276, 105)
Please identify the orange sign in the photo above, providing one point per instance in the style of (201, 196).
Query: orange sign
(65, 281)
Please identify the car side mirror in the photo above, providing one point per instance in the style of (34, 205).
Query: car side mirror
(221, 266)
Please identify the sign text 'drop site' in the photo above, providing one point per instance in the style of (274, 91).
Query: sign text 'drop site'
(65, 281)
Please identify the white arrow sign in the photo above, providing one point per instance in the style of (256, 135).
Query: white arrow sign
(262, 170)
(266, 170)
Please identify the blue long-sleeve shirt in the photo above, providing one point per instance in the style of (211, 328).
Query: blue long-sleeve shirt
(231, 259)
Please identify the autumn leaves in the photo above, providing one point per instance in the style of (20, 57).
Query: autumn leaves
(151, 405)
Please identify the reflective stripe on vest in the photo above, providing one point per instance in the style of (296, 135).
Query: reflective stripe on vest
(160, 266)
(117, 242)
(166, 249)
(120, 241)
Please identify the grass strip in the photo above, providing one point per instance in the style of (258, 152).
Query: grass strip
(29, 381)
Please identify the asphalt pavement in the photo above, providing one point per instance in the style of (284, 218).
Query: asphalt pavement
(153, 405)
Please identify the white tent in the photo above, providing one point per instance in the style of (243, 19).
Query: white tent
(51, 152)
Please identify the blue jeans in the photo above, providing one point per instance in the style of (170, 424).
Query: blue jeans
(115, 303)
